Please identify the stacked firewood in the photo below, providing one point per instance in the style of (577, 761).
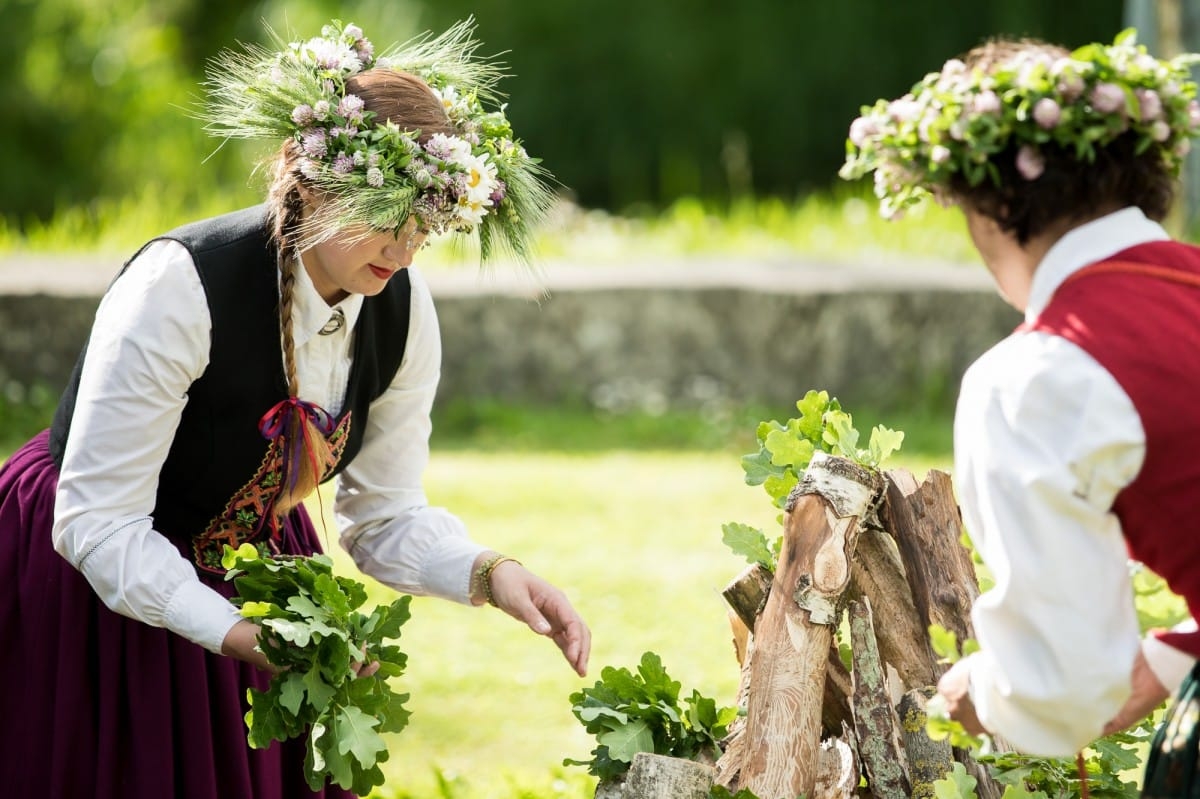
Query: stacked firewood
(875, 559)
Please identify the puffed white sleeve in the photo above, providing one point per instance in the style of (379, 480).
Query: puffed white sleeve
(1045, 438)
(388, 526)
(149, 342)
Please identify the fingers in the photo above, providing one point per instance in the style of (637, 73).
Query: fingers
(241, 642)
(571, 634)
(545, 609)
(578, 647)
(367, 669)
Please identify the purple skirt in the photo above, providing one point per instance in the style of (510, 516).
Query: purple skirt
(94, 704)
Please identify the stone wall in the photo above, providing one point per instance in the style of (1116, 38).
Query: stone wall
(631, 337)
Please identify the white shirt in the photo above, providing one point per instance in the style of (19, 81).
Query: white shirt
(1044, 440)
(150, 341)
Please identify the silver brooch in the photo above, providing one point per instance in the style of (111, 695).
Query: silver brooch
(334, 324)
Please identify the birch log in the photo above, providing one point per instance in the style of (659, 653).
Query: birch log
(792, 638)
(837, 772)
(653, 776)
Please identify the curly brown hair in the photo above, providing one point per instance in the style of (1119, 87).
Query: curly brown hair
(1070, 187)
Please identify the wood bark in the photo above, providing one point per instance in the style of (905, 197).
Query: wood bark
(876, 724)
(928, 760)
(925, 521)
(747, 593)
(741, 637)
(835, 704)
(837, 769)
(836, 714)
(903, 639)
(653, 776)
(794, 634)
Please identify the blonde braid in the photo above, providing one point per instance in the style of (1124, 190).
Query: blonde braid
(288, 262)
(303, 466)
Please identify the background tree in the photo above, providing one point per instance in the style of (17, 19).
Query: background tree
(633, 104)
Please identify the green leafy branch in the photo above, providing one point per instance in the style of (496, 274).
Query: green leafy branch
(314, 634)
(1027, 776)
(630, 713)
(785, 451)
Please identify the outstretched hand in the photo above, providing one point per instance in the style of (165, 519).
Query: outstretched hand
(523, 595)
(1148, 693)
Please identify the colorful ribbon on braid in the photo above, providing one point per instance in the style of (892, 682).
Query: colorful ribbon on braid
(295, 425)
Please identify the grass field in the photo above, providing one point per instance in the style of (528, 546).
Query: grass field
(623, 512)
(634, 538)
(841, 225)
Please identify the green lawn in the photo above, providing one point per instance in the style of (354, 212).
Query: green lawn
(635, 540)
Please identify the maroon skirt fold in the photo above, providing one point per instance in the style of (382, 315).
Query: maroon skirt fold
(94, 704)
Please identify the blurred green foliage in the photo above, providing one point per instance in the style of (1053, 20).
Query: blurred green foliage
(632, 104)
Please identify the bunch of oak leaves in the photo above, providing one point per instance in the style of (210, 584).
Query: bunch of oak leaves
(316, 638)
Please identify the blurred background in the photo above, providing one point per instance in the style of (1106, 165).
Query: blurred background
(634, 105)
(697, 145)
(704, 269)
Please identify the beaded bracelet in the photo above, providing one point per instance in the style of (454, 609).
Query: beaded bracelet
(483, 575)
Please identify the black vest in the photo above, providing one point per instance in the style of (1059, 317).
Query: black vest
(217, 447)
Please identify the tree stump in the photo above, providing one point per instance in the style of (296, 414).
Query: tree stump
(792, 638)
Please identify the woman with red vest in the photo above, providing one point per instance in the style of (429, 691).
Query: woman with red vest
(233, 365)
(1075, 437)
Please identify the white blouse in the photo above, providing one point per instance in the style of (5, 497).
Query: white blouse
(1045, 439)
(150, 341)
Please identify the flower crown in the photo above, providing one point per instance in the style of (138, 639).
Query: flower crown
(954, 122)
(375, 175)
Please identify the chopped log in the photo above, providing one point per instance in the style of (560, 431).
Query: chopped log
(747, 593)
(794, 633)
(837, 770)
(927, 526)
(928, 760)
(653, 776)
(903, 639)
(733, 745)
(741, 637)
(876, 724)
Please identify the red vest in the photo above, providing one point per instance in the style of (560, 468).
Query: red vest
(1143, 326)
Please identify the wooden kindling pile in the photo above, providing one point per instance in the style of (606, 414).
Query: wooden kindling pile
(879, 557)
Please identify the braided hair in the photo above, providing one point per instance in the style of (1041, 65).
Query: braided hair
(409, 102)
